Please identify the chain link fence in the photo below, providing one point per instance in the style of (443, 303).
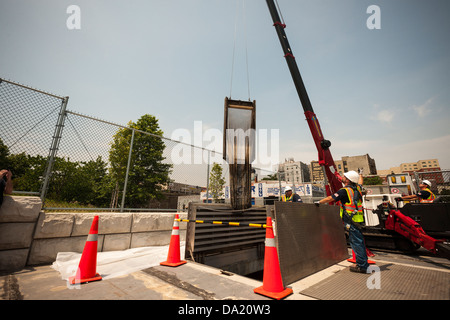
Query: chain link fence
(440, 183)
(77, 162)
(26, 133)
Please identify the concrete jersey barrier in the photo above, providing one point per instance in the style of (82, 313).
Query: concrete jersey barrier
(30, 236)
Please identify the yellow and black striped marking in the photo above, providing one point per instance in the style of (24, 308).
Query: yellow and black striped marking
(236, 224)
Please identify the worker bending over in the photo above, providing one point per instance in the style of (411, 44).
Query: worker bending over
(424, 195)
(350, 198)
(289, 197)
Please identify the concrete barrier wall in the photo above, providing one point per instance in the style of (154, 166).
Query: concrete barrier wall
(29, 236)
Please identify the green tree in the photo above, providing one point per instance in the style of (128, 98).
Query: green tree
(27, 171)
(147, 172)
(85, 183)
(4, 153)
(273, 176)
(66, 184)
(216, 181)
(99, 182)
(371, 181)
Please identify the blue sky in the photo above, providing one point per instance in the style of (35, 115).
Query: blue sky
(383, 92)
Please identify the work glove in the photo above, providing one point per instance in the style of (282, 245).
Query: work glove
(317, 203)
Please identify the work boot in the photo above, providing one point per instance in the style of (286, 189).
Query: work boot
(358, 269)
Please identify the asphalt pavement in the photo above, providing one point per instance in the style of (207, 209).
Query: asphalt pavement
(197, 282)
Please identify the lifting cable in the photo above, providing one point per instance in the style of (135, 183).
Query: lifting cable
(234, 224)
(279, 11)
(234, 46)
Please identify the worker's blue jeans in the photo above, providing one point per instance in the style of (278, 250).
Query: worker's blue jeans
(357, 243)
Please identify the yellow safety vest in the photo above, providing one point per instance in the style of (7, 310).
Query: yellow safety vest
(350, 207)
(430, 199)
(284, 199)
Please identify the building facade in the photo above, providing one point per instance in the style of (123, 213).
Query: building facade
(364, 162)
(347, 163)
(411, 167)
(421, 166)
(294, 172)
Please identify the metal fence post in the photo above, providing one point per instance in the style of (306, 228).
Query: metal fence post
(279, 183)
(207, 178)
(54, 148)
(128, 170)
(416, 181)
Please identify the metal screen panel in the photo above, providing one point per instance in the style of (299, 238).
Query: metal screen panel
(309, 238)
(239, 249)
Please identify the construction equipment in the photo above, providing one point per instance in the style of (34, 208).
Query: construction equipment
(411, 230)
(272, 283)
(87, 268)
(322, 145)
(239, 149)
(237, 249)
(406, 232)
(313, 233)
(399, 229)
(173, 257)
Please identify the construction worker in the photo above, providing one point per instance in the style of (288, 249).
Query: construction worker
(350, 198)
(289, 197)
(424, 195)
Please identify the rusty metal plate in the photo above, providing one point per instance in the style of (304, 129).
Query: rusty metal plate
(309, 238)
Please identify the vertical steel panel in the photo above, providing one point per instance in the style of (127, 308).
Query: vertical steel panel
(309, 239)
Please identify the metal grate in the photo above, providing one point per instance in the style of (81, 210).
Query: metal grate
(236, 249)
(396, 282)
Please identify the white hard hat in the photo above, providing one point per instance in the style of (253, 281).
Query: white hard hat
(428, 183)
(353, 176)
(287, 189)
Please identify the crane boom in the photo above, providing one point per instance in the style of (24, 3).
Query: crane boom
(322, 145)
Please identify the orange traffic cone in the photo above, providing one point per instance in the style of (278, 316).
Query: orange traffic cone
(87, 269)
(272, 284)
(173, 257)
(353, 258)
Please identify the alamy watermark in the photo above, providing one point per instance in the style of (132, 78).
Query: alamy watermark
(73, 21)
(374, 280)
(374, 20)
(264, 145)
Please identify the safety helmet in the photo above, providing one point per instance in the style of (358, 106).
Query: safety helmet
(428, 183)
(353, 176)
(287, 189)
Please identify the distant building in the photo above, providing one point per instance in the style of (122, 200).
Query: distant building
(347, 163)
(294, 172)
(392, 170)
(365, 162)
(411, 167)
(421, 166)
